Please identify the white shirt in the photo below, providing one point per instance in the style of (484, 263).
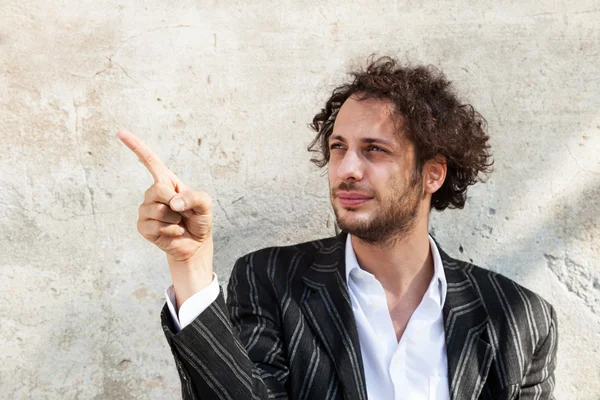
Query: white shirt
(194, 305)
(415, 368)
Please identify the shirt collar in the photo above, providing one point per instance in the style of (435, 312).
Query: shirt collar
(438, 282)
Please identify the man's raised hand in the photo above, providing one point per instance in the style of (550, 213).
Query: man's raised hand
(177, 220)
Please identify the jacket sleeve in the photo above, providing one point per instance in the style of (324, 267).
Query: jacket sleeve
(235, 351)
(538, 382)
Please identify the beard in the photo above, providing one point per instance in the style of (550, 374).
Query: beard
(392, 221)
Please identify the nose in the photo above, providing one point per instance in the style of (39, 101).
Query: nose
(350, 167)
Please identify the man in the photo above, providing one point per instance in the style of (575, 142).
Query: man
(378, 311)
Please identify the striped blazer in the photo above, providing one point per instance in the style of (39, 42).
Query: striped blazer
(287, 331)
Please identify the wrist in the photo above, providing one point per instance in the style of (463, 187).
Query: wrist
(186, 286)
(192, 275)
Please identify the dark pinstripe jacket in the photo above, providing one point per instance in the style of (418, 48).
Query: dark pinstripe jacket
(288, 331)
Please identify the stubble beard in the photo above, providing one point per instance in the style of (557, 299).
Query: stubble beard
(393, 221)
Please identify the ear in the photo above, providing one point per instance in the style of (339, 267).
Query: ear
(434, 174)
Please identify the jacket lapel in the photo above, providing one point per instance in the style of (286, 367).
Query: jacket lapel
(466, 324)
(328, 310)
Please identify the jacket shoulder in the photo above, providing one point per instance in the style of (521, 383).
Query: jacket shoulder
(504, 287)
(284, 263)
(311, 246)
(510, 305)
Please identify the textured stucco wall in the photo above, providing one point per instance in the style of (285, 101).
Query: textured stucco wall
(223, 91)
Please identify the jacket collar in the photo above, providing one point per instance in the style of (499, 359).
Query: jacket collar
(467, 326)
(328, 309)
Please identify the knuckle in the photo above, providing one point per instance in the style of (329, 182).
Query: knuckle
(140, 226)
(156, 230)
(148, 159)
(205, 198)
(149, 195)
(161, 188)
(160, 209)
(163, 191)
(149, 191)
(195, 196)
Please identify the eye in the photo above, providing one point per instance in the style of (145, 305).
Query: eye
(334, 146)
(376, 148)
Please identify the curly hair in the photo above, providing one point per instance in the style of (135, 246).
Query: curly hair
(434, 120)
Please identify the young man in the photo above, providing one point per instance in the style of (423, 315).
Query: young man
(378, 311)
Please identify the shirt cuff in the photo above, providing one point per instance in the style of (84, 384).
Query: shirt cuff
(192, 307)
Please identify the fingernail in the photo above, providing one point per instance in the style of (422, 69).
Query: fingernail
(177, 204)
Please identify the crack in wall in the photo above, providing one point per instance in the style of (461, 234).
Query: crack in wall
(85, 170)
(112, 64)
(124, 41)
(577, 163)
(225, 212)
(24, 151)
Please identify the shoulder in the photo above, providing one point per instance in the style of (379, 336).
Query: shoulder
(506, 293)
(275, 255)
(510, 305)
(276, 262)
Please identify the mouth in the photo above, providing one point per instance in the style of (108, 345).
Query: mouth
(352, 198)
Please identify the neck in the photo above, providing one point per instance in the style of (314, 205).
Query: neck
(401, 265)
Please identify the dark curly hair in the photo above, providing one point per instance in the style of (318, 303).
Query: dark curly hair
(434, 119)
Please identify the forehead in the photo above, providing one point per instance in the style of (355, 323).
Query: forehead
(370, 117)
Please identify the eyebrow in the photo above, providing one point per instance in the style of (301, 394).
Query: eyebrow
(364, 140)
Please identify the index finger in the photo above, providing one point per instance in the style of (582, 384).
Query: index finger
(148, 157)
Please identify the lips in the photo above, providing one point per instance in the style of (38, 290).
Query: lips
(352, 198)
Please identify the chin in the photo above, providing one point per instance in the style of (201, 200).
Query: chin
(352, 223)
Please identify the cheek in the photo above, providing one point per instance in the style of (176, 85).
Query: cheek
(380, 180)
(390, 186)
(330, 172)
(333, 162)
(332, 178)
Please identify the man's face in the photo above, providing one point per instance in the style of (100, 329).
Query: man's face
(375, 191)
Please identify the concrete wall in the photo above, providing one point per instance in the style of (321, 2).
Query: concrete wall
(223, 91)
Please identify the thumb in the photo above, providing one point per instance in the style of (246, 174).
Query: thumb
(189, 200)
(177, 203)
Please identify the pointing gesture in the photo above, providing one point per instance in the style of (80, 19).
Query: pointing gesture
(157, 168)
(177, 220)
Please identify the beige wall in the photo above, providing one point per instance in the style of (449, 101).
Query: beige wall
(223, 91)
